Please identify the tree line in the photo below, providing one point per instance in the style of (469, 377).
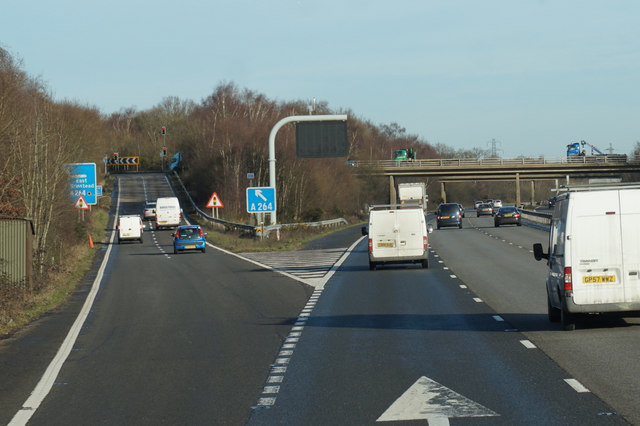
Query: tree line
(222, 139)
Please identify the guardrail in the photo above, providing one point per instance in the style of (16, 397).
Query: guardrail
(536, 217)
(256, 230)
(493, 162)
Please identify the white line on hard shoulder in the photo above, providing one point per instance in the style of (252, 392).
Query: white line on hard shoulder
(576, 385)
(528, 344)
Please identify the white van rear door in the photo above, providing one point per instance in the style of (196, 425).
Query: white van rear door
(596, 248)
(384, 238)
(630, 224)
(411, 231)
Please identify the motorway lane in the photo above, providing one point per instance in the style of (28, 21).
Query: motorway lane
(171, 339)
(601, 353)
(372, 335)
(180, 339)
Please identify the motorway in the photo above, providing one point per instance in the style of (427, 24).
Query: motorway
(314, 337)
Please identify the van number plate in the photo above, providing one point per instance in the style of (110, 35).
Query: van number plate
(599, 279)
(386, 244)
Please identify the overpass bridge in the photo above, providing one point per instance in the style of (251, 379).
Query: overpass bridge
(501, 169)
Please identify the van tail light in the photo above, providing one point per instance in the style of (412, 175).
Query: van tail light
(370, 244)
(568, 280)
(425, 243)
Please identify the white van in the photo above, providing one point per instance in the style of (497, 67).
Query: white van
(168, 213)
(129, 228)
(397, 234)
(593, 252)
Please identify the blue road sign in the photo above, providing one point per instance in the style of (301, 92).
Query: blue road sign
(261, 199)
(83, 182)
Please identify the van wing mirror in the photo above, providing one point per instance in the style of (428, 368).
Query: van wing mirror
(538, 254)
(429, 228)
(364, 230)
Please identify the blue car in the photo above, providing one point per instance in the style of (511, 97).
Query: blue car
(189, 237)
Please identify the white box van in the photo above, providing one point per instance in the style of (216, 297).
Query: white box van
(129, 228)
(593, 252)
(168, 213)
(397, 234)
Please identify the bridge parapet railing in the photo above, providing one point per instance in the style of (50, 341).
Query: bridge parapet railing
(493, 162)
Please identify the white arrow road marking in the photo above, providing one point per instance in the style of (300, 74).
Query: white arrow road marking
(259, 194)
(429, 400)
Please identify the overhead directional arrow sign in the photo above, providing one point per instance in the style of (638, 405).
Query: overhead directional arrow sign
(429, 400)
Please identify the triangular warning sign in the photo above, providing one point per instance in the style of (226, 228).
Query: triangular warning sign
(81, 203)
(214, 201)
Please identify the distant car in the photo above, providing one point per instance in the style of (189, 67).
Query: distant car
(484, 209)
(449, 214)
(477, 204)
(496, 204)
(149, 210)
(189, 237)
(507, 215)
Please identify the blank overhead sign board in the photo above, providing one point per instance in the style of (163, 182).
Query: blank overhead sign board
(318, 139)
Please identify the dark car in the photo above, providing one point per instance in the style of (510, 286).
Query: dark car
(189, 237)
(507, 215)
(449, 214)
(484, 209)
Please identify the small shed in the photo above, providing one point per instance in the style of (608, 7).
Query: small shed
(16, 242)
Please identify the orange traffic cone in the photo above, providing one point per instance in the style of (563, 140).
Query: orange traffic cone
(90, 241)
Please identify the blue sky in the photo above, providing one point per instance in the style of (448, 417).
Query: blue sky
(533, 75)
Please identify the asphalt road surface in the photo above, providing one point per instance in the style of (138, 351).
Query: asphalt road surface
(216, 339)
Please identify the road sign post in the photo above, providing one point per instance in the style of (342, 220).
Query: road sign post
(215, 203)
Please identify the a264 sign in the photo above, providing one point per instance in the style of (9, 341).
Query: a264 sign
(261, 199)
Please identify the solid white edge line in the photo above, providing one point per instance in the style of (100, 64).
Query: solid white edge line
(339, 263)
(48, 378)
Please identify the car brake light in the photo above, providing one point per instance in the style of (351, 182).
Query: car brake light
(201, 234)
(568, 280)
(177, 234)
(370, 244)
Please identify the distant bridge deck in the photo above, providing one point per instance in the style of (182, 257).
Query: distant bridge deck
(466, 169)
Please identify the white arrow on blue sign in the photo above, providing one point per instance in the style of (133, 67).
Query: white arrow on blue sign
(261, 199)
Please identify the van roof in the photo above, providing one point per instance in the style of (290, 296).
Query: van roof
(395, 206)
(597, 187)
